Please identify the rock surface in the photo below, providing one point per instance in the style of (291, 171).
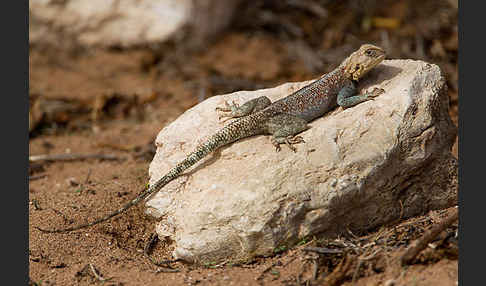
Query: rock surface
(359, 168)
(125, 23)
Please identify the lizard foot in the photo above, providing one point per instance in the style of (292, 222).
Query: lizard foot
(376, 92)
(228, 107)
(231, 108)
(289, 141)
(292, 140)
(226, 118)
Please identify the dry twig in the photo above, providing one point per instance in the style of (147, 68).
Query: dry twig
(260, 276)
(421, 243)
(71, 157)
(36, 177)
(361, 259)
(322, 250)
(315, 269)
(96, 274)
(36, 205)
(340, 272)
(146, 251)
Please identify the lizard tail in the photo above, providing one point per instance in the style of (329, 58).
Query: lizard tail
(235, 130)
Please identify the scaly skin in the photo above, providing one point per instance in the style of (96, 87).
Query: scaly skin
(283, 119)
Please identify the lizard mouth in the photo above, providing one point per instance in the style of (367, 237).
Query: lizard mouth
(381, 58)
(376, 62)
(361, 70)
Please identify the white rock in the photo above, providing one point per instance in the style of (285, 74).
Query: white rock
(124, 23)
(358, 169)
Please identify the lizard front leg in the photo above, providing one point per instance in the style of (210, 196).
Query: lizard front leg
(283, 128)
(247, 108)
(348, 96)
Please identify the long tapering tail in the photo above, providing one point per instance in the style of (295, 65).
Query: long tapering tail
(228, 134)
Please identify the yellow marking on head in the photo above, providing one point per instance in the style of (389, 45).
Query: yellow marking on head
(363, 60)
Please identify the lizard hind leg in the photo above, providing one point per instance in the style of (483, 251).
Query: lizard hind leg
(234, 110)
(284, 128)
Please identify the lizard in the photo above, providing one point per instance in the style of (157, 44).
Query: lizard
(283, 119)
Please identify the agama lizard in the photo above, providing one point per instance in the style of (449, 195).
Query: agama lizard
(283, 119)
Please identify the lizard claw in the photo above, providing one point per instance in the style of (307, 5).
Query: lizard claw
(295, 140)
(226, 107)
(229, 109)
(376, 92)
(226, 118)
(292, 148)
(276, 143)
(291, 140)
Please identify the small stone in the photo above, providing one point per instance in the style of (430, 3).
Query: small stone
(72, 182)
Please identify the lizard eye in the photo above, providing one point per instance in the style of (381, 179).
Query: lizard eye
(369, 52)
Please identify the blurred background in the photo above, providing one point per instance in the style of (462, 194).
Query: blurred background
(92, 62)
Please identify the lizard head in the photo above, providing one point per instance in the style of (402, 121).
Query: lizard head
(363, 60)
